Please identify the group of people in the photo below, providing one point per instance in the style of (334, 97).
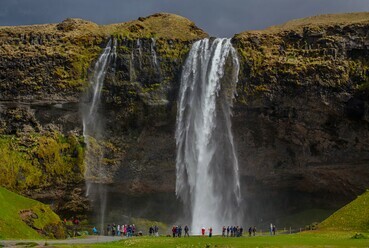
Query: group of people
(177, 231)
(252, 231)
(129, 231)
(210, 232)
(120, 230)
(233, 231)
(154, 231)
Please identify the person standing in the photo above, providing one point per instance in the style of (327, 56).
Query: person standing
(254, 230)
(129, 231)
(273, 229)
(186, 229)
(95, 232)
(210, 232)
(203, 231)
(250, 231)
(228, 231)
(180, 231)
(223, 231)
(156, 230)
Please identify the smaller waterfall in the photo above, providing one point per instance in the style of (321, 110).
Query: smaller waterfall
(92, 130)
(207, 165)
(153, 52)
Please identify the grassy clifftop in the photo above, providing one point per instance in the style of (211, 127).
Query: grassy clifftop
(327, 51)
(319, 21)
(51, 61)
(160, 25)
(23, 218)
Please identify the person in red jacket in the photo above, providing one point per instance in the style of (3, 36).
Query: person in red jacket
(203, 231)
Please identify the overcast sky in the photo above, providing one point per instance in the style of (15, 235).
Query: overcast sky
(221, 18)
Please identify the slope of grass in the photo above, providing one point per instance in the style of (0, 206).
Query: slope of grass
(317, 22)
(324, 20)
(160, 25)
(43, 220)
(302, 219)
(353, 216)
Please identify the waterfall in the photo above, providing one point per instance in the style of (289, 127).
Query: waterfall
(206, 163)
(153, 53)
(92, 129)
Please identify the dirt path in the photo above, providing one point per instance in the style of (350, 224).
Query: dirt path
(87, 240)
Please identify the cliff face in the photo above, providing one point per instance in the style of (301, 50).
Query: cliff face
(300, 117)
(44, 79)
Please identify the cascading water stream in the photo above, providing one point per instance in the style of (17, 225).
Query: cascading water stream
(153, 53)
(207, 166)
(92, 129)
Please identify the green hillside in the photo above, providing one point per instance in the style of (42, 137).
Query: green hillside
(353, 216)
(23, 218)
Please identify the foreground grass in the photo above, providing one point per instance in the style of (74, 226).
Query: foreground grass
(353, 216)
(307, 239)
(11, 224)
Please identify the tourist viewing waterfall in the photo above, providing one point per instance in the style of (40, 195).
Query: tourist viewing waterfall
(207, 166)
(92, 130)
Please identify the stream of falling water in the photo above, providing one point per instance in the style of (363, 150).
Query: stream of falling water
(92, 132)
(207, 165)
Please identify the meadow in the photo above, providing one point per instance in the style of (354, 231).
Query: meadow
(304, 239)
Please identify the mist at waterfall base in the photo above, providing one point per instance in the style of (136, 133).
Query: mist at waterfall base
(207, 166)
(92, 132)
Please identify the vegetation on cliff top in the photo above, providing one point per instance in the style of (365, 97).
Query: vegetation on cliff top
(161, 26)
(313, 22)
(352, 217)
(327, 51)
(23, 218)
(56, 57)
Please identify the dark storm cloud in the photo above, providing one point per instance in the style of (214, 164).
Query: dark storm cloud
(217, 17)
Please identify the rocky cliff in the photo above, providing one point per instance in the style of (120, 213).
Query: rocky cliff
(300, 117)
(44, 80)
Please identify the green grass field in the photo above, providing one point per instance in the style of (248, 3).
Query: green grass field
(11, 224)
(353, 216)
(306, 239)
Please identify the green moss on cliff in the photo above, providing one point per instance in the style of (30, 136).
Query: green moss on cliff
(35, 160)
(16, 171)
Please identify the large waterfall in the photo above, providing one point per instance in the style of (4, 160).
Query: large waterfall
(92, 131)
(207, 166)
